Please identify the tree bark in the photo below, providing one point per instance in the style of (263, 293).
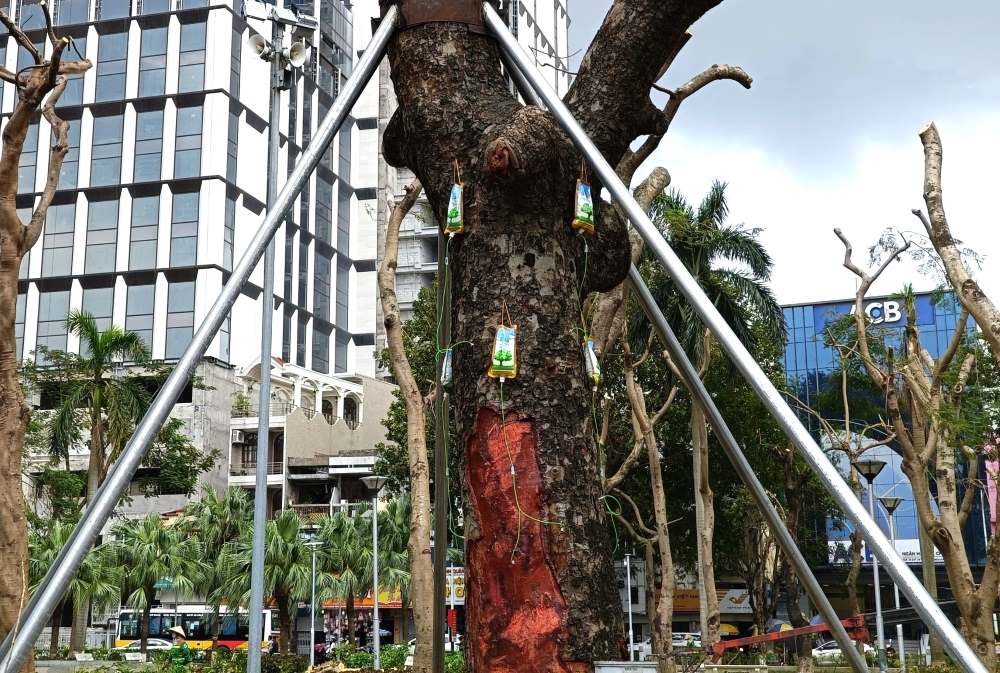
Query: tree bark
(351, 616)
(287, 622)
(419, 544)
(530, 458)
(54, 630)
(969, 292)
(704, 501)
(856, 540)
(144, 634)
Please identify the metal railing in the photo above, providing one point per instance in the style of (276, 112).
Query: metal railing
(250, 469)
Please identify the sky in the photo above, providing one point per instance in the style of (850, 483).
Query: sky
(828, 135)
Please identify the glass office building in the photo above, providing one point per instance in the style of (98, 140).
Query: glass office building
(165, 184)
(812, 368)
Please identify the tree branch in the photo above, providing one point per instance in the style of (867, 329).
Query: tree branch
(970, 294)
(19, 36)
(633, 159)
(49, 31)
(60, 128)
(633, 48)
(635, 509)
(944, 361)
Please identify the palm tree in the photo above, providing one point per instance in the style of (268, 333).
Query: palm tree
(218, 520)
(732, 268)
(393, 553)
(347, 550)
(93, 397)
(151, 550)
(287, 571)
(97, 579)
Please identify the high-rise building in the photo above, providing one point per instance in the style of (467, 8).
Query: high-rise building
(542, 29)
(165, 184)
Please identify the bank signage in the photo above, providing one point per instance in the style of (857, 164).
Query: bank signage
(909, 550)
(882, 311)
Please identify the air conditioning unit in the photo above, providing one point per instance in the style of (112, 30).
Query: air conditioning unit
(238, 437)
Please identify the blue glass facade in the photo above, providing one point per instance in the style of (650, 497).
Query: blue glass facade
(812, 368)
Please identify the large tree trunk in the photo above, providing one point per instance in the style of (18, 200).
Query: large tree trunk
(351, 617)
(286, 639)
(705, 524)
(95, 475)
(536, 601)
(419, 542)
(13, 421)
(978, 632)
(856, 541)
(54, 625)
(144, 633)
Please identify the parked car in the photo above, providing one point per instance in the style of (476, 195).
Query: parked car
(682, 641)
(829, 652)
(152, 644)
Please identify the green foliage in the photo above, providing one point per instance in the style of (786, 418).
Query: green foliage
(393, 656)
(454, 662)
(181, 463)
(359, 659)
(283, 663)
(63, 492)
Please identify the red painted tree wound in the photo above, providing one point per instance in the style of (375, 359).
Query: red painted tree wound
(521, 600)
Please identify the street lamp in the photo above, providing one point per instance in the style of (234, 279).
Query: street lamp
(628, 598)
(312, 543)
(870, 469)
(375, 483)
(891, 504)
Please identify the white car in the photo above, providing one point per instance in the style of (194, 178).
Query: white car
(829, 652)
(152, 644)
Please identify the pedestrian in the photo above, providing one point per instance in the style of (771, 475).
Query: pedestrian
(180, 654)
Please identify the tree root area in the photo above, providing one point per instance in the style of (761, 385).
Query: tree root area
(513, 590)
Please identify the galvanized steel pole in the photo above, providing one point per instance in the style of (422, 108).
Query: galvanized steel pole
(51, 589)
(741, 358)
(694, 384)
(254, 643)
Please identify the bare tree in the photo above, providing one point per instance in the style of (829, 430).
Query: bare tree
(419, 545)
(924, 399)
(969, 292)
(39, 87)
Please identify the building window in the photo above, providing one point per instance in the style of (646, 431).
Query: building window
(29, 160)
(340, 355)
(225, 337)
(98, 302)
(57, 244)
(71, 11)
(52, 309)
(236, 54)
(324, 208)
(70, 171)
(106, 165)
(148, 145)
(153, 62)
(153, 6)
(345, 153)
(232, 149)
(112, 56)
(187, 149)
(184, 230)
(77, 50)
(321, 350)
(180, 318)
(303, 270)
(351, 412)
(343, 290)
(29, 16)
(344, 219)
(139, 311)
(22, 300)
(191, 75)
(286, 336)
(102, 236)
(113, 9)
(229, 232)
(321, 287)
(300, 341)
(145, 224)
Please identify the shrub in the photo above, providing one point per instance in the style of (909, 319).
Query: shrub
(283, 663)
(454, 662)
(394, 656)
(358, 659)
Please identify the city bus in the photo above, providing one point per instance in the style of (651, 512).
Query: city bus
(197, 622)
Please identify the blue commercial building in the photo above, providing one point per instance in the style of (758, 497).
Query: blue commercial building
(812, 369)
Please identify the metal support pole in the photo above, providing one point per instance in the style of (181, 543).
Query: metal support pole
(697, 389)
(264, 401)
(14, 651)
(900, 645)
(376, 627)
(441, 505)
(312, 612)
(786, 542)
(628, 602)
(831, 478)
(879, 627)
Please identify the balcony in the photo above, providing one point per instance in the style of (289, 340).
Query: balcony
(245, 474)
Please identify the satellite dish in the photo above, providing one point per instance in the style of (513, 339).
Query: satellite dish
(260, 46)
(297, 54)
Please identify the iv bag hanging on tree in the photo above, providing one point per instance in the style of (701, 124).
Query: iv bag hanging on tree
(455, 221)
(503, 365)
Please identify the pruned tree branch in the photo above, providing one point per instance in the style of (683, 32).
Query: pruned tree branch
(60, 128)
(970, 294)
(633, 159)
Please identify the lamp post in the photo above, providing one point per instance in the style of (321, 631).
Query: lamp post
(891, 504)
(628, 599)
(312, 543)
(870, 469)
(375, 483)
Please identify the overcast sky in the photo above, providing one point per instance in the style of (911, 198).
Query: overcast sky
(827, 136)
